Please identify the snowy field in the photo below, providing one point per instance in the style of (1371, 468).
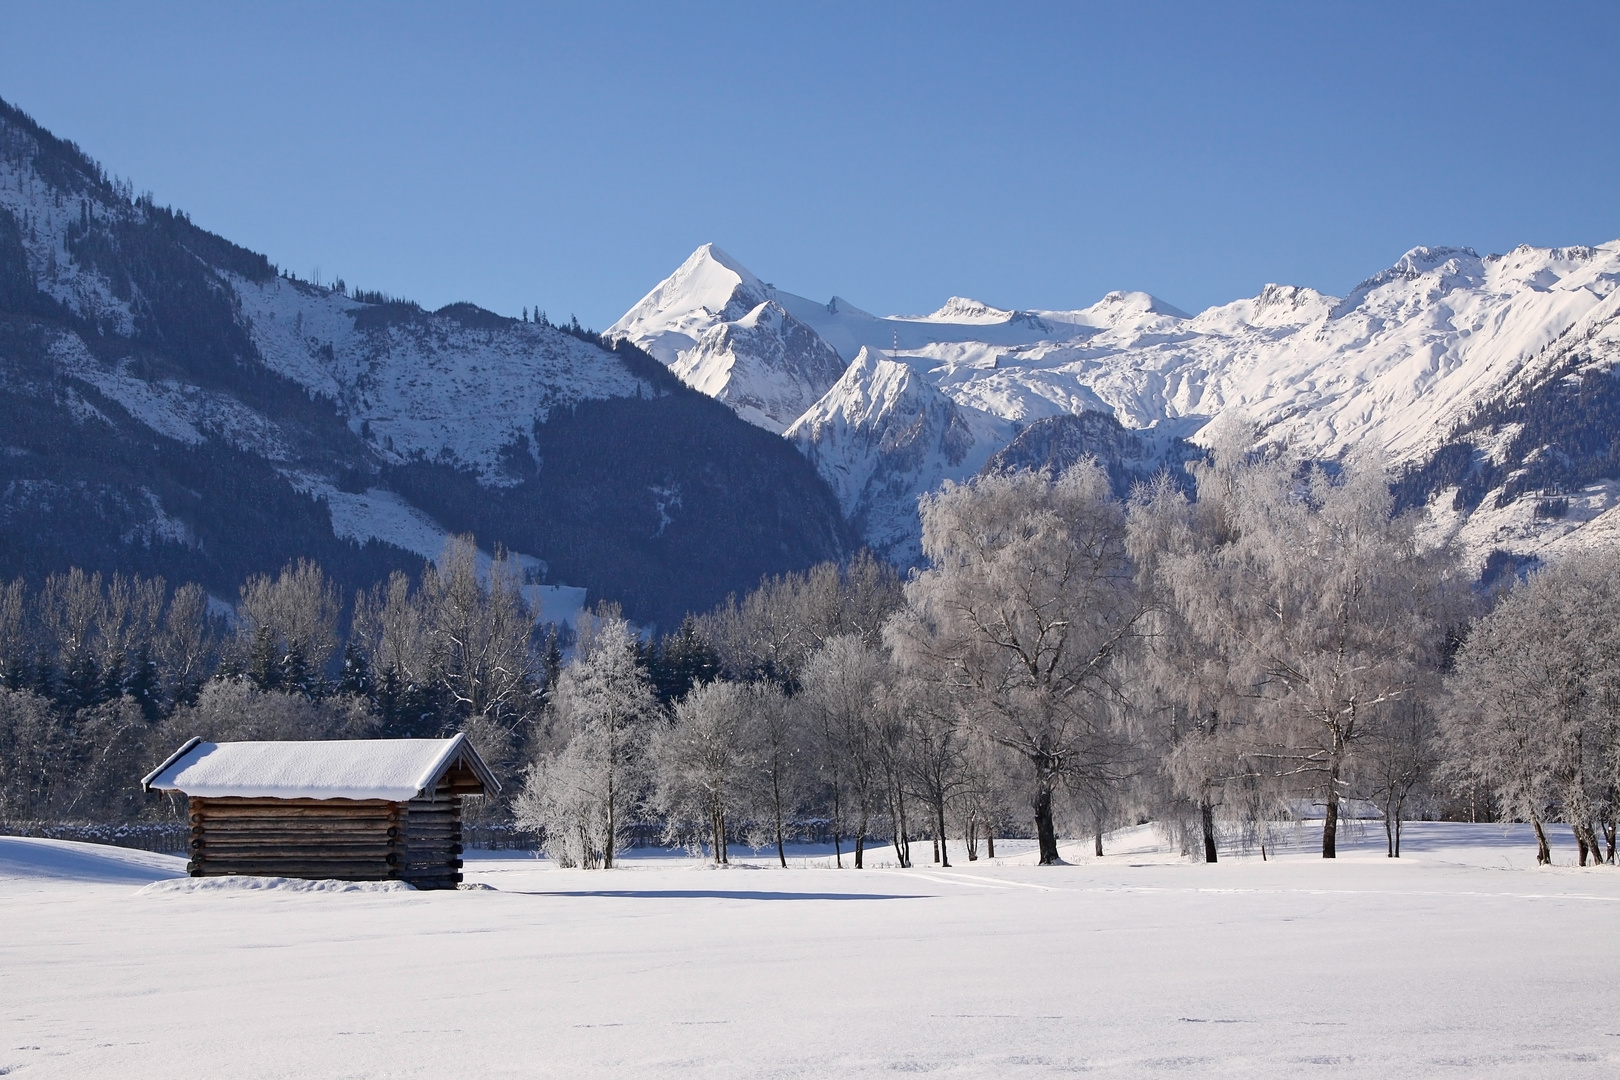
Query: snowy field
(1460, 959)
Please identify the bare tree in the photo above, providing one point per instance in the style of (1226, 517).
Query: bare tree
(1029, 599)
(33, 742)
(841, 686)
(933, 751)
(482, 629)
(1402, 755)
(704, 765)
(774, 730)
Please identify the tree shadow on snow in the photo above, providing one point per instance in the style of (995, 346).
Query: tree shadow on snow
(712, 894)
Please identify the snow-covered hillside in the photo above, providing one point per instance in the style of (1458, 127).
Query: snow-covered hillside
(1397, 365)
(172, 404)
(460, 386)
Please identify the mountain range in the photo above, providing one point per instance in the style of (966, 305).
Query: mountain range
(1484, 382)
(173, 403)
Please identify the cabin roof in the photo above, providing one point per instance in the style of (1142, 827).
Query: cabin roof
(392, 769)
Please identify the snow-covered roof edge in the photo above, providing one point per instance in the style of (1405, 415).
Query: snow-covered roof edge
(146, 781)
(457, 747)
(460, 745)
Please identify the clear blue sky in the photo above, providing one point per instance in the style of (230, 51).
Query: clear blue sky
(1027, 155)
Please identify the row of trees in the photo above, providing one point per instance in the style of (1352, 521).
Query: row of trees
(1260, 654)
(1265, 653)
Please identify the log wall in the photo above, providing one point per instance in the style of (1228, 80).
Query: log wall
(347, 839)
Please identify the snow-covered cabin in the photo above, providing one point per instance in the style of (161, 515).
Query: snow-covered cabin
(357, 809)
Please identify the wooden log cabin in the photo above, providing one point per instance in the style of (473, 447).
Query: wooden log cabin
(354, 810)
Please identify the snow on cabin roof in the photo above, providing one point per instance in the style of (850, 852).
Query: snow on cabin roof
(392, 769)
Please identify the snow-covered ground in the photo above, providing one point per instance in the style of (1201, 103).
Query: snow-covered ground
(1460, 959)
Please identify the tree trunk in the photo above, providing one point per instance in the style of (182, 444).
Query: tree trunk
(970, 839)
(944, 853)
(612, 825)
(1543, 849)
(1045, 827)
(776, 799)
(902, 845)
(837, 828)
(989, 841)
(1330, 824)
(1586, 842)
(1206, 814)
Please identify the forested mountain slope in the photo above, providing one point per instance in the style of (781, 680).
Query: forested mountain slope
(170, 403)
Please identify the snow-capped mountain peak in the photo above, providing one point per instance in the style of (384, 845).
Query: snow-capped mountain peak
(960, 309)
(709, 286)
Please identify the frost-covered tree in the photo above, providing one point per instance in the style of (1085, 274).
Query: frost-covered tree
(1028, 601)
(842, 687)
(1534, 708)
(287, 627)
(583, 796)
(704, 766)
(1321, 608)
(781, 746)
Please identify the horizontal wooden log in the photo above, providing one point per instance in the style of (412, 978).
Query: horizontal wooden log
(379, 828)
(332, 851)
(305, 855)
(337, 813)
(297, 812)
(295, 842)
(258, 831)
(265, 868)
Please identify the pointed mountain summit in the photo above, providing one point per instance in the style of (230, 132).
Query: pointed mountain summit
(723, 331)
(710, 287)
